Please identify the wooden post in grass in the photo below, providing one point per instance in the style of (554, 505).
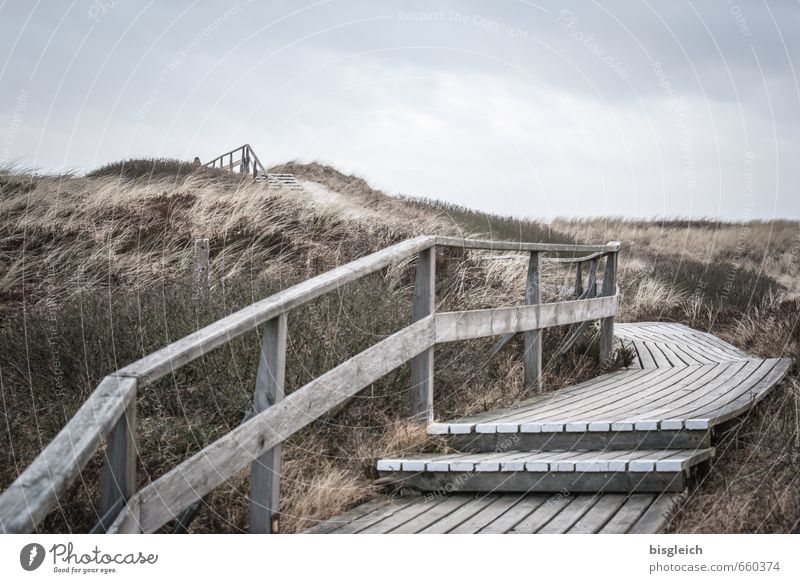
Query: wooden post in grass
(265, 472)
(201, 270)
(118, 482)
(532, 356)
(609, 289)
(424, 304)
(578, 279)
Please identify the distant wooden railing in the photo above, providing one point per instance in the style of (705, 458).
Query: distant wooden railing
(242, 159)
(110, 412)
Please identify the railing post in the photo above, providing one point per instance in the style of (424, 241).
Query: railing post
(578, 279)
(609, 289)
(592, 282)
(532, 356)
(265, 472)
(202, 268)
(424, 304)
(118, 482)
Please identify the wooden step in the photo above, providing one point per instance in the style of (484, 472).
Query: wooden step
(506, 513)
(669, 408)
(595, 440)
(548, 471)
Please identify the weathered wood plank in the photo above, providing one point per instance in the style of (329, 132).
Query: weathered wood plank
(652, 405)
(656, 516)
(347, 517)
(523, 508)
(128, 520)
(568, 516)
(31, 496)
(163, 499)
(538, 418)
(265, 472)
(609, 289)
(658, 354)
(514, 246)
(644, 354)
(536, 481)
(700, 380)
(433, 513)
(697, 402)
(597, 384)
(119, 473)
(577, 260)
(376, 516)
(635, 505)
(598, 515)
(543, 514)
(462, 514)
(746, 398)
(495, 510)
(532, 339)
(614, 440)
(456, 326)
(423, 305)
(401, 517)
(591, 286)
(636, 403)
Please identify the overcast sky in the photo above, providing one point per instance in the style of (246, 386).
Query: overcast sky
(529, 108)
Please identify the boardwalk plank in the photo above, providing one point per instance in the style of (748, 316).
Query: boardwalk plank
(543, 514)
(346, 517)
(569, 515)
(401, 517)
(599, 514)
(656, 516)
(373, 517)
(523, 508)
(493, 511)
(634, 507)
(432, 514)
(462, 514)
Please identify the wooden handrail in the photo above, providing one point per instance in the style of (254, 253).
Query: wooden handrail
(245, 160)
(521, 246)
(28, 500)
(110, 410)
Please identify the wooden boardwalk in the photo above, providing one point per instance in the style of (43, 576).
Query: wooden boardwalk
(611, 454)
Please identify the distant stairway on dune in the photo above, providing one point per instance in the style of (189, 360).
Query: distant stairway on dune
(243, 160)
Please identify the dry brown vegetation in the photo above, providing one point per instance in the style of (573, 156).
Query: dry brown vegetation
(96, 272)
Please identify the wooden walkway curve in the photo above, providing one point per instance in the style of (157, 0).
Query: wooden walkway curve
(610, 455)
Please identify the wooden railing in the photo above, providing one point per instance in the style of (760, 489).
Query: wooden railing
(110, 412)
(242, 159)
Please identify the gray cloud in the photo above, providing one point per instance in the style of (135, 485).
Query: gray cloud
(533, 108)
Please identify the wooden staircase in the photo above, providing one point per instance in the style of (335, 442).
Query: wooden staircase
(637, 433)
(243, 160)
